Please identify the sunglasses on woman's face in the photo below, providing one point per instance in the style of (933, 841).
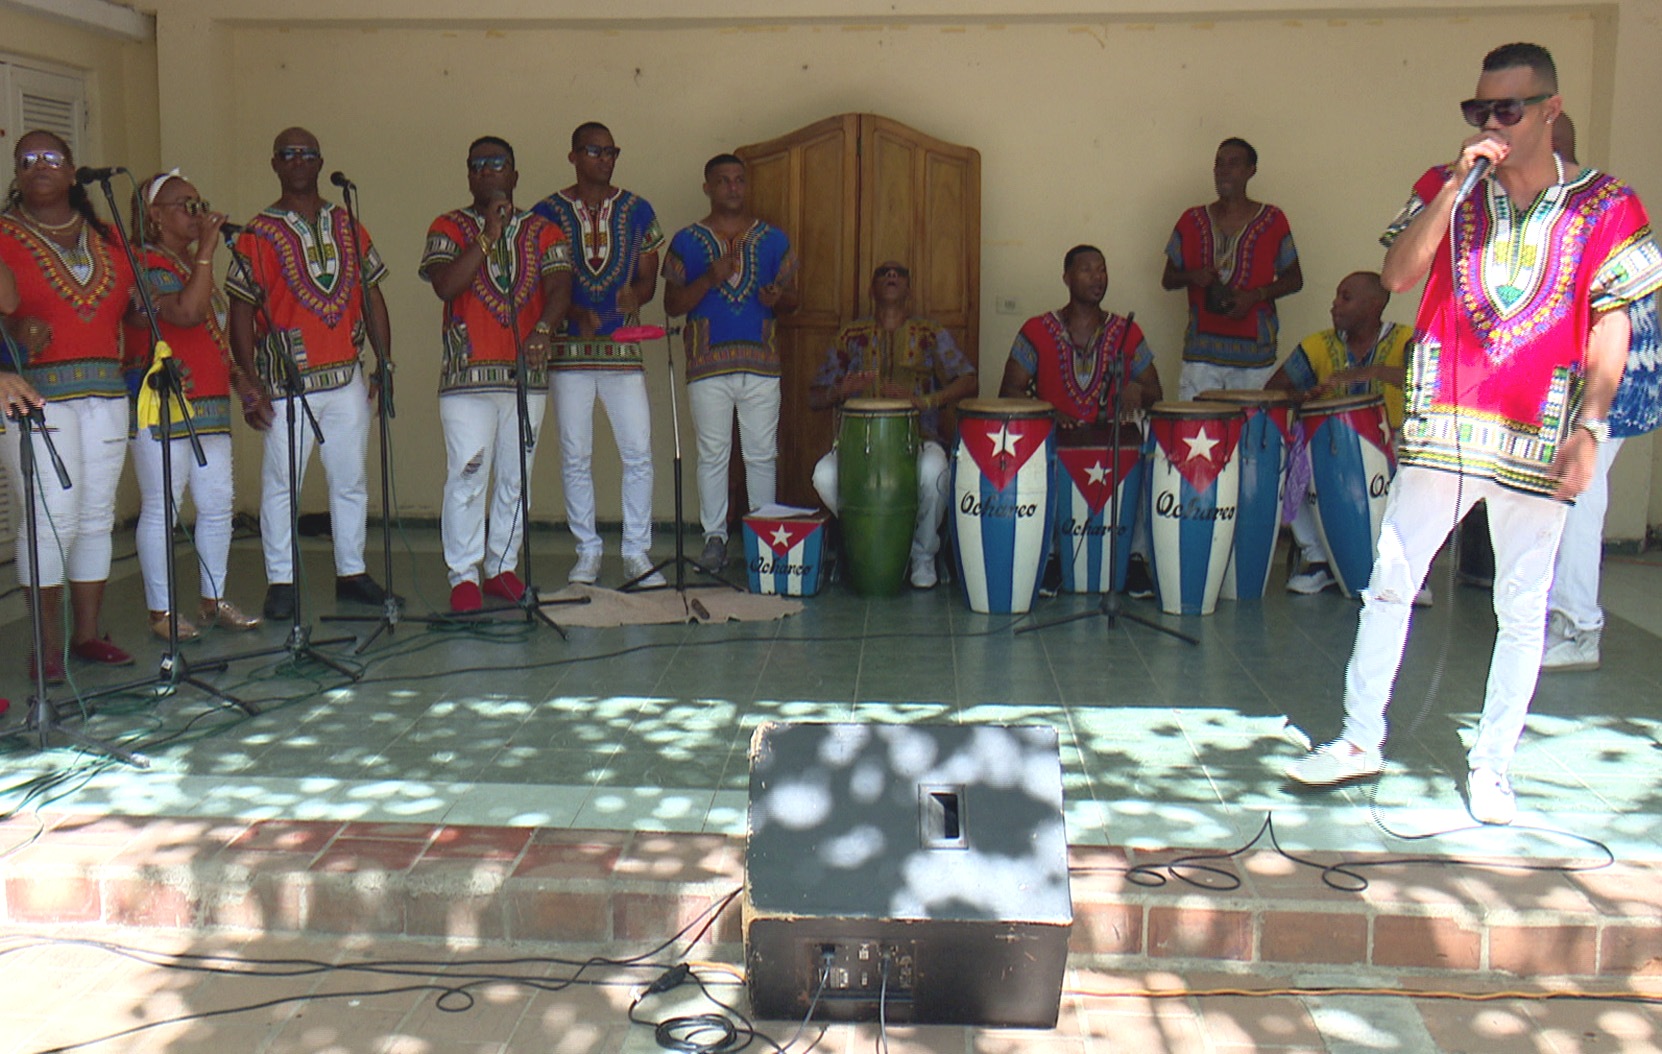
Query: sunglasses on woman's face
(35, 158)
(1506, 112)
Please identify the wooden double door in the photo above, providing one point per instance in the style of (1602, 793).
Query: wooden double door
(852, 191)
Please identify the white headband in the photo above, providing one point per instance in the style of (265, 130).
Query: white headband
(154, 187)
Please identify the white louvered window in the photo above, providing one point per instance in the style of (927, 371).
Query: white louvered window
(32, 98)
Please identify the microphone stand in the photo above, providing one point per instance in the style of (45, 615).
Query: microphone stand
(174, 670)
(299, 644)
(387, 621)
(1111, 606)
(43, 717)
(681, 561)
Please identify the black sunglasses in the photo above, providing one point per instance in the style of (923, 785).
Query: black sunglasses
(492, 162)
(298, 153)
(1506, 112)
(898, 272)
(610, 153)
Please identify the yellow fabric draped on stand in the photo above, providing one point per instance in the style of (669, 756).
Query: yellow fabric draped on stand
(150, 400)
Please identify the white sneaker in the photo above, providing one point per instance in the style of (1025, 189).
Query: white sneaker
(714, 556)
(923, 572)
(1579, 652)
(1489, 797)
(641, 567)
(587, 569)
(1314, 579)
(1559, 629)
(1423, 598)
(1335, 762)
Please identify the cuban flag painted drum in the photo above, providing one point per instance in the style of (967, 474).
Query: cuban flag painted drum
(1266, 439)
(1001, 512)
(785, 556)
(1351, 465)
(1085, 480)
(1193, 487)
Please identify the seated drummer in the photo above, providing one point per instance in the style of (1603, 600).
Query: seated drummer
(1361, 355)
(896, 355)
(1065, 357)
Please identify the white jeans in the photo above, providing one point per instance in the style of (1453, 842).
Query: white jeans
(343, 414)
(623, 394)
(211, 493)
(1200, 377)
(74, 524)
(714, 401)
(481, 432)
(1422, 507)
(932, 488)
(1306, 536)
(1575, 575)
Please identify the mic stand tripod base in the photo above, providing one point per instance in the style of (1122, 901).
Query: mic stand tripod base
(1111, 609)
(174, 670)
(43, 721)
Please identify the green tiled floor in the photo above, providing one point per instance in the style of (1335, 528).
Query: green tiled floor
(647, 727)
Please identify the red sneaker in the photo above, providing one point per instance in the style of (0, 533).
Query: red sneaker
(506, 586)
(101, 651)
(54, 668)
(465, 596)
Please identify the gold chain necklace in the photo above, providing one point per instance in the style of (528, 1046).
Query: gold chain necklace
(49, 228)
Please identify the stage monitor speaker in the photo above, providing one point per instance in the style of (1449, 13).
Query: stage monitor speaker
(920, 867)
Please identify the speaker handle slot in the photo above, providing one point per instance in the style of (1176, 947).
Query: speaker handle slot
(942, 821)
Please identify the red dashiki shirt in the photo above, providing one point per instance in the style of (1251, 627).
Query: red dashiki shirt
(1495, 371)
(203, 355)
(1075, 380)
(1263, 249)
(479, 346)
(308, 275)
(83, 357)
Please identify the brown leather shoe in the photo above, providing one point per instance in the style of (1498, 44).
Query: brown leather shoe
(158, 627)
(226, 615)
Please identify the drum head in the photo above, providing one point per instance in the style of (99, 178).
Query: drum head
(878, 407)
(1340, 404)
(1004, 408)
(1194, 409)
(1249, 397)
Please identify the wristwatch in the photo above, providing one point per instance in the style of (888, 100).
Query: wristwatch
(1599, 427)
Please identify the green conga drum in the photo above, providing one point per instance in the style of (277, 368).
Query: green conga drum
(877, 485)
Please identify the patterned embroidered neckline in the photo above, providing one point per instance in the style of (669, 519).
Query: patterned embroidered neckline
(82, 276)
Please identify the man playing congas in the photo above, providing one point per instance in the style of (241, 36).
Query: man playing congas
(896, 355)
(1361, 355)
(1065, 357)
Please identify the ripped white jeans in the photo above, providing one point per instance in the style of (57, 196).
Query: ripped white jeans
(481, 432)
(1421, 509)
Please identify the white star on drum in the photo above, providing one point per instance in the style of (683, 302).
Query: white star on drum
(1004, 442)
(1201, 444)
(781, 538)
(1097, 473)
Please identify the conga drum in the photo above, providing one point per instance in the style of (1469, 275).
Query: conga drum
(1351, 465)
(877, 487)
(1193, 489)
(1086, 478)
(1001, 501)
(1266, 439)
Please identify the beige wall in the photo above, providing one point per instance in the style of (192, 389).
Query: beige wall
(1096, 121)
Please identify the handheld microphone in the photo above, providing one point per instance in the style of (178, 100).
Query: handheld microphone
(1479, 169)
(84, 175)
(230, 230)
(338, 178)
